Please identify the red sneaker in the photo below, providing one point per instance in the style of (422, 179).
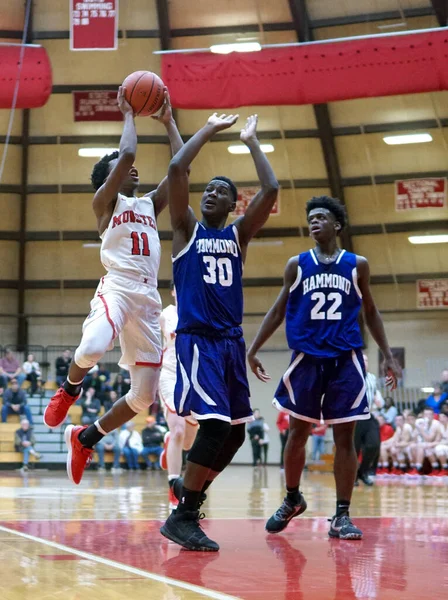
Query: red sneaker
(413, 472)
(381, 471)
(439, 473)
(79, 456)
(57, 410)
(163, 456)
(396, 472)
(173, 501)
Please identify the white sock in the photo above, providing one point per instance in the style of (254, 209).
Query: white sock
(74, 382)
(402, 466)
(171, 477)
(418, 466)
(100, 429)
(435, 465)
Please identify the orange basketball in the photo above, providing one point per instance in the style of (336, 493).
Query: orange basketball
(144, 92)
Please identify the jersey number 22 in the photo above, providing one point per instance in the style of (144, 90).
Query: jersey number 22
(331, 314)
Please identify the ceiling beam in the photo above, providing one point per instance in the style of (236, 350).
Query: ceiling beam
(441, 9)
(304, 33)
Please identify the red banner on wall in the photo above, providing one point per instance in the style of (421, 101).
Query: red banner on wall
(245, 195)
(420, 193)
(96, 106)
(432, 293)
(93, 24)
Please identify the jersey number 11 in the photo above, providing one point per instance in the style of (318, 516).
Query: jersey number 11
(136, 244)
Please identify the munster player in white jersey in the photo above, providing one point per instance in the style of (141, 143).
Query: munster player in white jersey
(126, 304)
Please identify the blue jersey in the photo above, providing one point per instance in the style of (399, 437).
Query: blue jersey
(323, 306)
(208, 276)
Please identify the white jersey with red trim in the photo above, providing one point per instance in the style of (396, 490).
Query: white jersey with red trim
(131, 243)
(168, 321)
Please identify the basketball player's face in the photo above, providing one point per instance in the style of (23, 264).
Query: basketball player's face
(323, 226)
(217, 200)
(131, 182)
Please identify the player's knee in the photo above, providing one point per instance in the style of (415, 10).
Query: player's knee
(237, 436)
(89, 352)
(177, 432)
(211, 437)
(144, 383)
(138, 401)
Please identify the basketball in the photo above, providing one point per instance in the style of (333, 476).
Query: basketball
(144, 92)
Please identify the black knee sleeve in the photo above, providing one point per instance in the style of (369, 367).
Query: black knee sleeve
(233, 443)
(211, 437)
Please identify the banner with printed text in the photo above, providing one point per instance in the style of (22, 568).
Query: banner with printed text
(245, 195)
(432, 293)
(96, 106)
(420, 193)
(93, 24)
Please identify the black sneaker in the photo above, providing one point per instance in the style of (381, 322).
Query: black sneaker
(183, 528)
(366, 480)
(284, 514)
(343, 528)
(177, 491)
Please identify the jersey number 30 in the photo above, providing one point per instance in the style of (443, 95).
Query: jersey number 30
(218, 270)
(331, 314)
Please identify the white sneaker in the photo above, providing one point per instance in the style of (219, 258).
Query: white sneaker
(116, 470)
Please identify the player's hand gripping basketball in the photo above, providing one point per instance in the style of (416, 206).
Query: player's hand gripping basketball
(392, 370)
(249, 133)
(222, 122)
(123, 104)
(166, 113)
(257, 368)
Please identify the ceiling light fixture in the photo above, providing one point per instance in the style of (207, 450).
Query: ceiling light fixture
(409, 138)
(241, 149)
(239, 47)
(92, 245)
(428, 239)
(427, 390)
(95, 152)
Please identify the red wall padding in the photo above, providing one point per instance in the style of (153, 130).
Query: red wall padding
(35, 78)
(310, 74)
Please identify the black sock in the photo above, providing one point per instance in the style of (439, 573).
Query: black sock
(206, 485)
(342, 507)
(71, 389)
(189, 500)
(293, 494)
(90, 436)
(171, 482)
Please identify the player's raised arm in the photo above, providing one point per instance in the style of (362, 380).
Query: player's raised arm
(374, 321)
(260, 207)
(106, 195)
(182, 218)
(272, 321)
(160, 195)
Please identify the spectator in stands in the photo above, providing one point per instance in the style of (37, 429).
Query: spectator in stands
(62, 366)
(24, 442)
(444, 379)
(110, 399)
(152, 438)
(386, 430)
(33, 374)
(444, 408)
(436, 399)
(120, 387)
(390, 448)
(318, 439)
(389, 411)
(283, 428)
(91, 407)
(429, 435)
(14, 402)
(441, 450)
(255, 430)
(103, 374)
(367, 435)
(109, 443)
(10, 369)
(131, 445)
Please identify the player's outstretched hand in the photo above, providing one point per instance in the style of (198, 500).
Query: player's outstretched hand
(123, 104)
(257, 368)
(222, 121)
(392, 373)
(249, 133)
(166, 113)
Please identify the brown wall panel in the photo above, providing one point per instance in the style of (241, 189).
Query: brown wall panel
(371, 28)
(5, 116)
(60, 212)
(9, 210)
(11, 172)
(9, 260)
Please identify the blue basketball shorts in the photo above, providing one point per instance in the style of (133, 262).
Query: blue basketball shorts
(212, 378)
(332, 390)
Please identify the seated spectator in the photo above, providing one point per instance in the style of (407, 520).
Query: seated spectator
(429, 435)
(62, 366)
(444, 408)
(24, 442)
(10, 369)
(33, 374)
(14, 403)
(444, 380)
(91, 407)
(152, 438)
(103, 374)
(389, 411)
(109, 399)
(109, 443)
(131, 445)
(441, 450)
(386, 430)
(120, 387)
(436, 399)
(318, 439)
(389, 446)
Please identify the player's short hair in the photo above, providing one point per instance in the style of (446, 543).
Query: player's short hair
(101, 169)
(231, 184)
(334, 205)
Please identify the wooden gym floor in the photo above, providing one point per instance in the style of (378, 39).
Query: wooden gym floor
(101, 540)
